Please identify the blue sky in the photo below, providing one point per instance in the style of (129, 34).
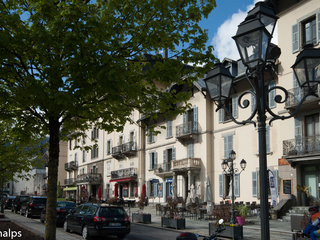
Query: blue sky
(222, 24)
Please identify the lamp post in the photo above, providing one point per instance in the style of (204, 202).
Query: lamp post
(253, 40)
(229, 169)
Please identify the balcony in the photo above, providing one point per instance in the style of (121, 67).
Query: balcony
(162, 169)
(186, 164)
(301, 146)
(70, 166)
(117, 152)
(69, 181)
(93, 178)
(188, 131)
(296, 94)
(124, 174)
(129, 148)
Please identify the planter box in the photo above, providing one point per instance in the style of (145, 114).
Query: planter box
(173, 223)
(143, 218)
(237, 230)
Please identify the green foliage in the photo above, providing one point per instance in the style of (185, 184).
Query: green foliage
(66, 65)
(304, 189)
(242, 210)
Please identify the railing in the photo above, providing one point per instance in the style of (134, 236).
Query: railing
(74, 165)
(126, 172)
(299, 146)
(89, 177)
(69, 181)
(70, 165)
(186, 163)
(187, 128)
(126, 148)
(160, 168)
(129, 146)
(296, 94)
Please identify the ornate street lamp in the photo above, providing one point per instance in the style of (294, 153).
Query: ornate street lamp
(253, 42)
(229, 169)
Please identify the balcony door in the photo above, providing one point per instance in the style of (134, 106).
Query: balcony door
(312, 133)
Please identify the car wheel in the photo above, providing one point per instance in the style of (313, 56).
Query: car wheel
(65, 226)
(121, 236)
(85, 234)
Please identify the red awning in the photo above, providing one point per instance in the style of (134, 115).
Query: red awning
(122, 179)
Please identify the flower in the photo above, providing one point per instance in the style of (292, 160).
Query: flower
(226, 224)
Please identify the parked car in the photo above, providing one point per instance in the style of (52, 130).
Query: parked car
(98, 220)
(9, 202)
(33, 206)
(17, 203)
(63, 208)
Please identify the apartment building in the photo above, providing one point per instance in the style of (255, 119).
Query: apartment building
(193, 145)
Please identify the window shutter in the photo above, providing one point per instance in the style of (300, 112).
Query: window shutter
(169, 128)
(195, 120)
(253, 103)
(298, 133)
(220, 112)
(184, 119)
(173, 154)
(147, 189)
(268, 139)
(318, 21)
(272, 94)
(225, 147)
(155, 158)
(235, 106)
(254, 184)
(295, 38)
(155, 189)
(150, 161)
(220, 185)
(148, 136)
(228, 145)
(275, 177)
(237, 185)
(164, 160)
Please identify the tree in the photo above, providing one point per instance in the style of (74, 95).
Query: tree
(59, 191)
(68, 65)
(18, 153)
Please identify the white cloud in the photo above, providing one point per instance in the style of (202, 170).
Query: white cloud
(223, 43)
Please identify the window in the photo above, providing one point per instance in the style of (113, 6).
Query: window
(232, 106)
(108, 168)
(228, 145)
(309, 32)
(83, 156)
(225, 185)
(109, 147)
(70, 144)
(190, 149)
(190, 121)
(131, 162)
(255, 183)
(150, 136)
(169, 128)
(95, 152)
(152, 160)
(168, 156)
(95, 133)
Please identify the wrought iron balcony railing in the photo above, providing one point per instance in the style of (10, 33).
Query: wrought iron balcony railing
(89, 177)
(296, 94)
(126, 149)
(123, 173)
(300, 146)
(69, 181)
(69, 166)
(187, 128)
(186, 163)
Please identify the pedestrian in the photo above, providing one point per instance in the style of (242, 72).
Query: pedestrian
(313, 227)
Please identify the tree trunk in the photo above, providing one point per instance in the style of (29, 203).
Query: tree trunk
(54, 148)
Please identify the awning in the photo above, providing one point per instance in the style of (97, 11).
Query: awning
(122, 179)
(70, 189)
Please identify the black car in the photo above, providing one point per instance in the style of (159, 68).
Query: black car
(63, 209)
(98, 220)
(9, 202)
(33, 206)
(17, 203)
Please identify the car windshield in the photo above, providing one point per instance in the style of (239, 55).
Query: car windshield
(66, 204)
(112, 212)
(40, 200)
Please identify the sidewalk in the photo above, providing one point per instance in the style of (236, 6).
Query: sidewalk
(279, 230)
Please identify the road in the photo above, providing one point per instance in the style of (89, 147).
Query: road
(138, 231)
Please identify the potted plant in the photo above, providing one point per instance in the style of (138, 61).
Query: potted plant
(172, 218)
(304, 194)
(141, 217)
(231, 230)
(242, 213)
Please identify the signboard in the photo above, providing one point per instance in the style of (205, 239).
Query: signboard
(155, 180)
(287, 186)
(169, 180)
(273, 189)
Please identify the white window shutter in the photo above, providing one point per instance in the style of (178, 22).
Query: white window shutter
(150, 161)
(155, 158)
(295, 38)
(237, 185)
(225, 147)
(254, 184)
(221, 185)
(195, 119)
(235, 106)
(173, 154)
